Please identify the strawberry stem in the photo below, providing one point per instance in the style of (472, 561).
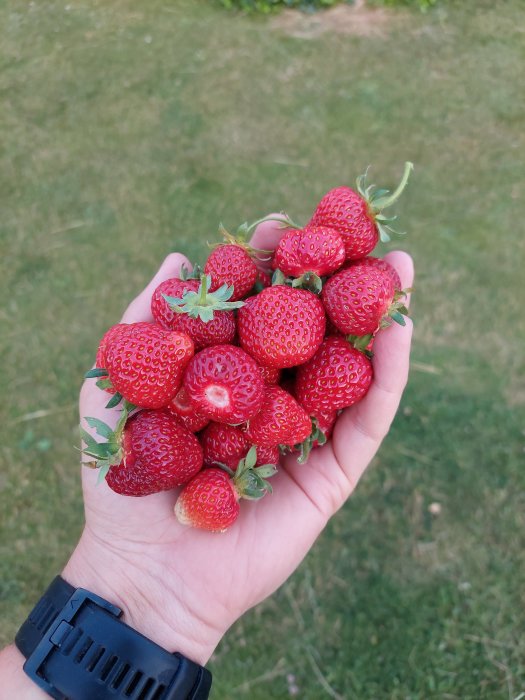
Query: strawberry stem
(383, 202)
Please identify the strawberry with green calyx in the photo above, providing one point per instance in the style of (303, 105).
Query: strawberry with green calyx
(282, 326)
(142, 363)
(232, 263)
(188, 306)
(202, 303)
(210, 501)
(145, 363)
(224, 383)
(105, 454)
(361, 298)
(223, 445)
(322, 426)
(146, 453)
(358, 216)
(226, 445)
(314, 251)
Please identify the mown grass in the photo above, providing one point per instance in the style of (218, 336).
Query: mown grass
(131, 129)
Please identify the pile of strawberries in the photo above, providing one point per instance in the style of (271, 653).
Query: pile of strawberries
(239, 367)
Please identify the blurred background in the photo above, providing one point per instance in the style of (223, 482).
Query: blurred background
(131, 129)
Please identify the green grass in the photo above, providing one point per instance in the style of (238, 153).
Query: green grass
(130, 129)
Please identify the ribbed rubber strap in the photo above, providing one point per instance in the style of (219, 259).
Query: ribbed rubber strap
(78, 649)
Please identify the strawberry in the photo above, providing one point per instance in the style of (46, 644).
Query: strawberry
(147, 453)
(224, 383)
(230, 264)
(210, 501)
(271, 375)
(267, 455)
(322, 426)
(180, 407)
(145, 363)
(314, 249)
(357, 216)
(187, 306)
(360, 299)
(223, 445)
(380, 264)
(281, 326)
(100, 361)
(226, 445)
(336, 377)
(281, 420)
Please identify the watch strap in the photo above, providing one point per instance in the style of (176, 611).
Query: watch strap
(80, 650)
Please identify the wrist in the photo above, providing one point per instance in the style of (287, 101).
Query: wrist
(15, 683)
(138, 586)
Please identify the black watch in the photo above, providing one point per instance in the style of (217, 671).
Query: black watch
(77, 649)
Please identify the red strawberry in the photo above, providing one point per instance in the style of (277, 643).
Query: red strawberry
(361, 298)
(227, 445)
(383, 265)
(225, 384)
(263, 280)
(147, 453)
(224, 444)
(336, 377)
(271, 375)
(357, 215)
(267, 455)
(213, 326)
(322, 426)
(315, 249)
(232, 265)
(145, 363)
(180, 407)
(211, 499)
(281, 420)
(282, 326)
(100, 361)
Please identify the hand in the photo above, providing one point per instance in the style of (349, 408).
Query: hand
(184, 587)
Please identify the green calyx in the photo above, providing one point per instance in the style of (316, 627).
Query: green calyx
(397, 310)
(240, 239)
(250, 481)
(104, 383)
(106, 454)
(308, 280)
(380, 199)
(203, 303)
(317, 435)
(361, 342)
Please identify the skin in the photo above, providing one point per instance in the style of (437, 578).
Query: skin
(174, 583)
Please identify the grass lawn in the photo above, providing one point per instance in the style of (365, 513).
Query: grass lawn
(130, 129)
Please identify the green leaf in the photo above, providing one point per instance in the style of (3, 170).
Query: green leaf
(102, 428)
(251, 457)
(114, 400)
(103, 470)
(278, 278)
(96, 372)
(398, 318)
(266, 471)
(105, 384)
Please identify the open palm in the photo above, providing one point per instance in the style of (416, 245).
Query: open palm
(184, 587)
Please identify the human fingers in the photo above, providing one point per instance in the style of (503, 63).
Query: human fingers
(364, 425)
(139, 309)
(267, 235)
